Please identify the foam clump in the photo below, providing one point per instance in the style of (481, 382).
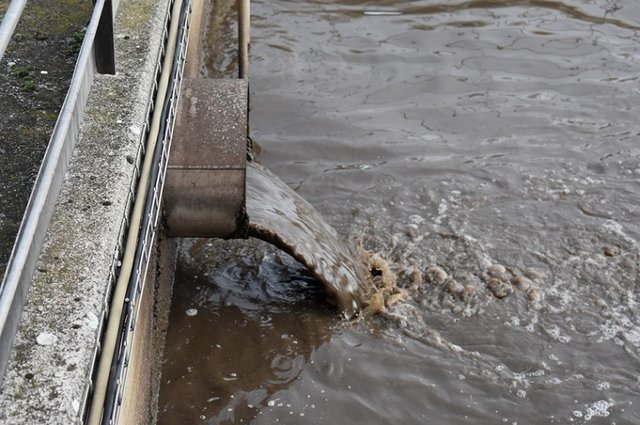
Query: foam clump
(386, 292)
(598, 408)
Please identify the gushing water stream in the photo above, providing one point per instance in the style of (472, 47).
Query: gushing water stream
(280, 216)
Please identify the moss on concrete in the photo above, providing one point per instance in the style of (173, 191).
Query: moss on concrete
(57, 19)
(136, 18)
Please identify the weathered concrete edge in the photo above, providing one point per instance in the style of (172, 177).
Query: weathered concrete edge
(48, 382)
(142, 388)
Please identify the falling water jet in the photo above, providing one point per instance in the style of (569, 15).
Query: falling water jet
(211, 188)
(278, 215)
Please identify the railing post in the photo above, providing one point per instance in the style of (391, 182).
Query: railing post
(103, 45)
(244, 23)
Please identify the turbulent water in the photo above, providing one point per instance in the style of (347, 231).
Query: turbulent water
(489, 151)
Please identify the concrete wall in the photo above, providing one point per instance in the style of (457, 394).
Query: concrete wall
(143, 379)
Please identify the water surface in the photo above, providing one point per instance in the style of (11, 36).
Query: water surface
(490, 152)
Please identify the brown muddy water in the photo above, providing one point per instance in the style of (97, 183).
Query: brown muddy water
(490, 152)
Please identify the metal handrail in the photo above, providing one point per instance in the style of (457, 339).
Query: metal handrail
(9, 22)
(26, 250)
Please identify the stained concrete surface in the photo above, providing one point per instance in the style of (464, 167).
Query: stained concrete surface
(205, 189)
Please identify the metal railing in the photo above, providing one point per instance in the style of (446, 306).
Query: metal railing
(96, 56)
(9, 22)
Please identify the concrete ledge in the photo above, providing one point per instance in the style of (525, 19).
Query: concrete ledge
(57, 341)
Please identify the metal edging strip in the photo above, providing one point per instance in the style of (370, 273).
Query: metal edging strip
(116, 385)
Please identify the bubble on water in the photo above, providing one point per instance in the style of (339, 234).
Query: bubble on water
(535, 274)
(416, 277)
(384, 279)
(619, 326)
(598, 408)
(416, 219)
(522, 283)
(534, 295)
(554, 380)
(521, 393)
(436, 274)
(617, 229)
(454, 288)
(611, 251)
(514, 321)
(497, 270)
(601, 303)
(191, 312)
(555, 333)
(411, 230)
(231, 377)
(442, 210)
(396, 296)
(469, 292)
(499, 288)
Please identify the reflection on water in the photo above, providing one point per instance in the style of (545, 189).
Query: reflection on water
(233, 344)
(219, 59)
(490, 152)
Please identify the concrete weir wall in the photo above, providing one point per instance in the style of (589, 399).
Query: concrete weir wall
(49, 376)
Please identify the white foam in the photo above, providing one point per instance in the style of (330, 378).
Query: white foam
(598, 408)
(442, 211)
(555, 333)
(615, 227)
